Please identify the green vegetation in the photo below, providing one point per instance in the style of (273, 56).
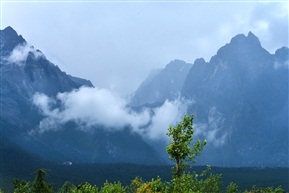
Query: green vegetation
(182, 179)
(205, 182)
(179, 149)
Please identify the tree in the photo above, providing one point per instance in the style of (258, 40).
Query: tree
(67, 188)
(179, 148)
(232, 188)
(86, 188)
(21, 186)
(39, 185)
(112, 187)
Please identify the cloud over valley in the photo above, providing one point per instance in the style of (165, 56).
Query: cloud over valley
(92, 107)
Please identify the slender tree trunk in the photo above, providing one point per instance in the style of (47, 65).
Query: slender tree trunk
(178, 172)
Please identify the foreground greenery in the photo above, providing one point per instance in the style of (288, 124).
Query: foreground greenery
(205, 182)
(183, 179)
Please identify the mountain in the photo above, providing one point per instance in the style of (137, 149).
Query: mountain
(162, 84)
(25, 71)
(239, 98)
(240, 103)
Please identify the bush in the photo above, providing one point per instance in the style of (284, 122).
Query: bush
(86, 188)
(67, 188)
(256, 189)
(232, 188)
(112, 188)
(21, 186)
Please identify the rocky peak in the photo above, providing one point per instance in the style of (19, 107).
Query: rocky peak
(32, 71)
(241, 49)
(282, 54)
(241, 39)
(199, 63)
(251, 38)
(164, 83)
(9, 39)
(175, 64)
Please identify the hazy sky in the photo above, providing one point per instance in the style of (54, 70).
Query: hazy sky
(116, 44)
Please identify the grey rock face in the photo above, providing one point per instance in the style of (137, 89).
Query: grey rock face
(162, 84)
(241, 103)
(30, 72)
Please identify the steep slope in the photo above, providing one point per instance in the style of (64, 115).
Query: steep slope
(162, 84)
(25, 71)
(240, 102)
(241, 95)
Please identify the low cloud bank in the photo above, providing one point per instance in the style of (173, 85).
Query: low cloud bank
(89, 107)
(94, 107)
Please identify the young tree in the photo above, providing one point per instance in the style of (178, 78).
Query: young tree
(39, 185)
(179, 148)
(21, 186)
(67, 188)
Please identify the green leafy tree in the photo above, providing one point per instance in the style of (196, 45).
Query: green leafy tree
(232, 188)
(21, 186)
(86, 188)
(39, 185)
(256, 189)
(195, 183)
(213, 183)
(67, 188)
(112, 188)
(179, 148)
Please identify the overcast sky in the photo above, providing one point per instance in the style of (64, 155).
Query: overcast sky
(117, 44)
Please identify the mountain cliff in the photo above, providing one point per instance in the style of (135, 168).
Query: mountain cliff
(239, 98)
(25, 71)
(240, 103)
(162, 84)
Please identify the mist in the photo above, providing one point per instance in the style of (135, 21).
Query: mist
(20, 53)
(213, 129)
(90, 107)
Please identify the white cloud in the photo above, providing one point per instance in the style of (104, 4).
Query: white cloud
(118, 38)
(93, 106)
(90, 107)
(19, 54)
(170, 113)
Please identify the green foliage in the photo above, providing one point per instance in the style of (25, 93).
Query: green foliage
(112, 187)
(187, 182)
(232, 188)
(85, 188)
(197, 183)
(256, 189)
(179, 148)
(67, 188)
(212, 184)
(153, 186)
(21, 186)
(39, 185)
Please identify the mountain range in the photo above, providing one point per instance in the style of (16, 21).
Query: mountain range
(240, 102)
(25, 72)
(239, 98)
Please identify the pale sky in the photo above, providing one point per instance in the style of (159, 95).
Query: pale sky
(116, 44)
